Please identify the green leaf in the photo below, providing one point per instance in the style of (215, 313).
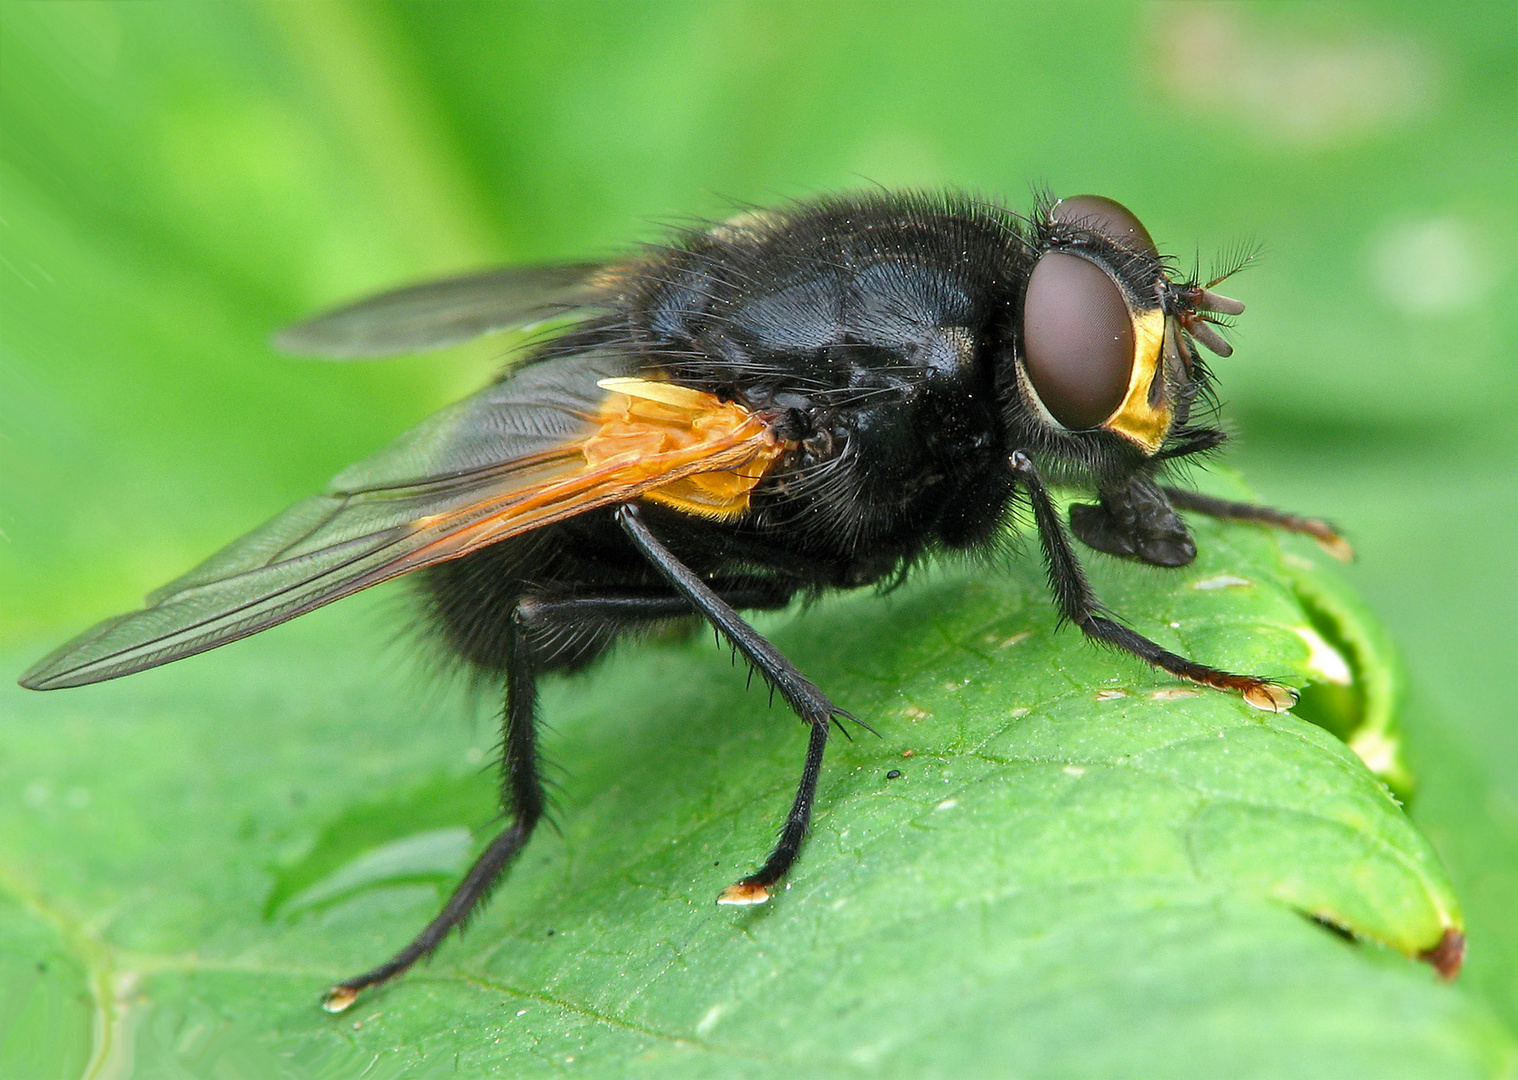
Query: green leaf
(1082, 865)
(46, 1000)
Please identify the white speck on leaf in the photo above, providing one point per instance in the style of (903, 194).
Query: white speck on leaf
(1222, 581)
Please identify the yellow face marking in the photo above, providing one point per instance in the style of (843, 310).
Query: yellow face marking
(652, 423)
(1135, 419)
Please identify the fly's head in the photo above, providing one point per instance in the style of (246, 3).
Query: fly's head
(1105, 364)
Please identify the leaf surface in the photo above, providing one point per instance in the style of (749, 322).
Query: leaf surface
(1082, 867)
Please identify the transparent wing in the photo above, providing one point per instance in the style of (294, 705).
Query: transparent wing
(546, 444)
(437, 314)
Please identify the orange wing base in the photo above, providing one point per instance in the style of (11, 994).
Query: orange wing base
(657, 427)
(670, 444)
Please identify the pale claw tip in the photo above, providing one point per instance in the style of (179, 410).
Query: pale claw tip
(1268, 697)
(744, 894)
(338, 999)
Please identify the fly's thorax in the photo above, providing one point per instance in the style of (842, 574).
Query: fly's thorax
(825, 298)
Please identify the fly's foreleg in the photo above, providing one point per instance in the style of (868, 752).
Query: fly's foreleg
(1079, 605)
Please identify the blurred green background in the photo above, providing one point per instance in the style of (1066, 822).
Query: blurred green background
(180, 179)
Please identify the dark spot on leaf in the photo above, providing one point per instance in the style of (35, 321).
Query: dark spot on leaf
(1448, 955)
(1334, 928)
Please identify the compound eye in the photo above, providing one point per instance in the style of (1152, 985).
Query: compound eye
(1105, 216)
(1077, 340)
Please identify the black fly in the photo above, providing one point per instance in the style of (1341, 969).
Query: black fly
(786, 403)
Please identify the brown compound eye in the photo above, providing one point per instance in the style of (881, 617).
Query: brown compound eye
(1105, 216)
(1077, 340)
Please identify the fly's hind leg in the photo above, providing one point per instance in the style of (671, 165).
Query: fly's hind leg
(536, 618)
(1321, 531)
(1079, 604)
(799, 692)
(522, 798)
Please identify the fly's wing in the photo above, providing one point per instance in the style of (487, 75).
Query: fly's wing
(554, 440)
(437, 314)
